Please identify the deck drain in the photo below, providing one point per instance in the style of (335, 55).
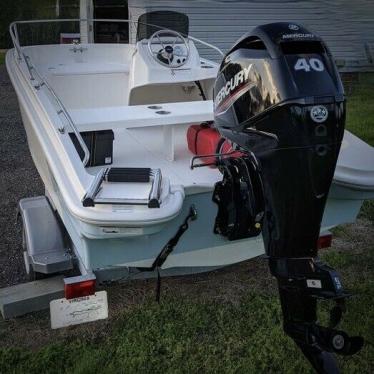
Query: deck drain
(155, 107)
(162, 112)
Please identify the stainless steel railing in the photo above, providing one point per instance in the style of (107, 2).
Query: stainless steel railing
(41, 82)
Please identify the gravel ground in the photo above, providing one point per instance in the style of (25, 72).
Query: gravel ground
(19, 179)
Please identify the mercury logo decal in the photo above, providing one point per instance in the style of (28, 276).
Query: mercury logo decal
(233, 89)
(319, 113)
(299, 35)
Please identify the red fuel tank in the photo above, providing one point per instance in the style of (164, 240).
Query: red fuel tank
(204, 140)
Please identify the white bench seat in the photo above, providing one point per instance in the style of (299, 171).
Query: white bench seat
(127, 117)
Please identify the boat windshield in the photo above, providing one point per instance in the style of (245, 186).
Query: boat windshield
(151, 22)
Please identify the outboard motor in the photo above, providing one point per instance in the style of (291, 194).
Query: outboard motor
(280, 101)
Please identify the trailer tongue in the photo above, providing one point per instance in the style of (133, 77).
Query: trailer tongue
(279, 99)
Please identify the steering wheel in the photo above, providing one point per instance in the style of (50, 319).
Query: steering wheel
(169, 55)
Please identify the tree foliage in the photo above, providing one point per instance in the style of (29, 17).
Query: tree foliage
(32, 9)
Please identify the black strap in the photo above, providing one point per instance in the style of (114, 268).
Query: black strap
(168, 248)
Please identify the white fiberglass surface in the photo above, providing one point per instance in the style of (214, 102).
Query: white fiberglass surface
(59, 56)
(145, 147)
(133, 190)
(355, 163)
(178, 170)
(89, 76)
(91, 91)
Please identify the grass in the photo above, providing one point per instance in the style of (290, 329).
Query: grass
(178, 336)
(207, 334)
(186, 336)
(360, 120)
(360, 109)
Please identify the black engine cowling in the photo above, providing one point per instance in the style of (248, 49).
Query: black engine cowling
(279, 98)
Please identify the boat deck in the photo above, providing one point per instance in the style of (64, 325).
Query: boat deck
(144, 147)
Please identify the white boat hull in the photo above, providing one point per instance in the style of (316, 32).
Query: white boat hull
(110, 252)
(198, 250)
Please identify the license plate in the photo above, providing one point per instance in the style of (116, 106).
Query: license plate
(80, 310)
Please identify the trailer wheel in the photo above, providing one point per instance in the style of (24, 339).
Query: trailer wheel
(30, 273)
